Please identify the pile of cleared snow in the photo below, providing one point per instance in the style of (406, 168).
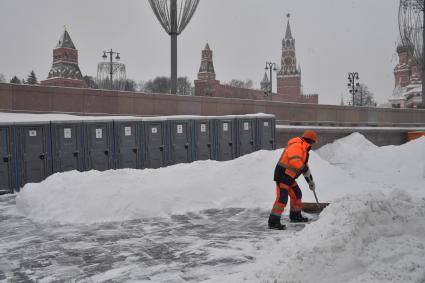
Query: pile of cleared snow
(372, 237)
(389, 166)
(116, 195)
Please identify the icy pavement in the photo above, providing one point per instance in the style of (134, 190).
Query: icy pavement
(181, 248)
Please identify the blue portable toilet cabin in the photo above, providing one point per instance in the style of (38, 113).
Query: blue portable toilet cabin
(155, 139)
(266, 132)
(246, 134)
(33, 142)
(67, 146)
(129, 143)
(99, 145)
(7, 165)
(204, 147)
(180, 136)
(225, 137)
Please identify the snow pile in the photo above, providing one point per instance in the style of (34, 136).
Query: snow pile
(372, 237)
(115, 195)
(389, 166)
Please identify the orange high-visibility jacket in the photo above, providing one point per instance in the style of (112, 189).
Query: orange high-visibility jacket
(294, 158)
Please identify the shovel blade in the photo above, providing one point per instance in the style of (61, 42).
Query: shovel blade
(312, 207)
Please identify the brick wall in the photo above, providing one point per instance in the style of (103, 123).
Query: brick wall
(88, 101)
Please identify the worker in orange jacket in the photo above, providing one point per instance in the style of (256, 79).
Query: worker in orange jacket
(292, 163)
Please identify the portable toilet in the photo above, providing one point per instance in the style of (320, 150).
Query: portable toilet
(99, 149)
(33, 152)
(154, 133)
(225, 138)
(266, 132)
(180, 136)
(203, 139)
(67, 146)
(246, 134)
(6, 159)
(128, 143)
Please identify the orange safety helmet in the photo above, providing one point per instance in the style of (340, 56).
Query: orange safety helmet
(311, 135)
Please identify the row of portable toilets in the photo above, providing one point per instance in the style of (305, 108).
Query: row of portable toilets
(30, 152)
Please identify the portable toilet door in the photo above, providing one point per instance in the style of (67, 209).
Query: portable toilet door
(33, 152)
(155, 141)
(67, 146)
(99, 147)
(6, 161)
(225, 139)
(266, 129)
(246, 135)
(203, 140)
(127, 140)
(180, 141)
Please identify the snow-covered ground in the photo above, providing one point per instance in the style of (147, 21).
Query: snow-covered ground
(206, 221)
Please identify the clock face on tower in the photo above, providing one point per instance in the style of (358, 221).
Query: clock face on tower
(288, 60)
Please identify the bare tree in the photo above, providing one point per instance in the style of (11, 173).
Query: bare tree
(90, 82)
(2, 78)
(364, 97)
(241, 84)
(163, 85)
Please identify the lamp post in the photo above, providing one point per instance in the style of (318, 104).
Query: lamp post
(272, 67)
(111, 69)
(353, 85)
(174, 16)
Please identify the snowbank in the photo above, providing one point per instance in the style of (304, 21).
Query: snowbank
(117, 195)
(388, 166)
(350, 166)
(373, 237)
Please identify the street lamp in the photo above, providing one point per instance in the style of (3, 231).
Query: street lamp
(353, 85)
(272, 67)
(111, 69)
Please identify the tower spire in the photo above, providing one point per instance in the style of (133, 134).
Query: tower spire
(288, 34)
(65, 40)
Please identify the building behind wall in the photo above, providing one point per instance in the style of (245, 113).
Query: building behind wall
(65, 70)
(407, 91)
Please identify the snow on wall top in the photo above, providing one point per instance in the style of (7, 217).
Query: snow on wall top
(29, 117)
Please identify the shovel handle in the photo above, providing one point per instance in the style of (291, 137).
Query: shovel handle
(317, 201)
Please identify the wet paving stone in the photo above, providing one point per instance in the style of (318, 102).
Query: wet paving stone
(187, 245)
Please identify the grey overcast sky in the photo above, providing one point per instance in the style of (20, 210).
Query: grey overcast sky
(333, 37)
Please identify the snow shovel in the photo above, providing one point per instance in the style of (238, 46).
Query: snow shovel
(310, 207)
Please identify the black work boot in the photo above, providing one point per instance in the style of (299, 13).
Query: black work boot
(297, 217)
(274, 223)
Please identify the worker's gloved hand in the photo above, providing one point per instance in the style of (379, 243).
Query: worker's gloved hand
(309, 178)
(312, 185)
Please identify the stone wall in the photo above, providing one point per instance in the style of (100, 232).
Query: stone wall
(378, 136)
(213, 88)
(88, 101)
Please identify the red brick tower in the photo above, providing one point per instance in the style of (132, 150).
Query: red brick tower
(206, 83)
(289, 76)
(65, 70)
